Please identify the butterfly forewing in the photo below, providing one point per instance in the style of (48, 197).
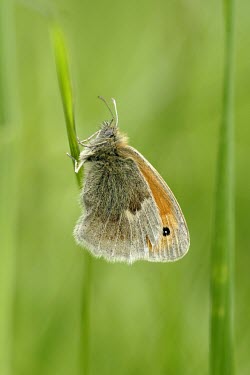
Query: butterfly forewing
(174, 240)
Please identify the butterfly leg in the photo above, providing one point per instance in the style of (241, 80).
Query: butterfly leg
(82, 143)
(77, 165)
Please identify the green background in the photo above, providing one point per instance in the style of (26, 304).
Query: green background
(163, 62)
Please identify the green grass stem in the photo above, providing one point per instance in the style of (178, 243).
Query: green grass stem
(9, 166)
(64, 80)
(222, 255)
(63, 74)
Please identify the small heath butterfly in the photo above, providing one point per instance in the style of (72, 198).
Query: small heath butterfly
(130, 213)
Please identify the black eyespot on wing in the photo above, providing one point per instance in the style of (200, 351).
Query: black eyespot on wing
(166, 231)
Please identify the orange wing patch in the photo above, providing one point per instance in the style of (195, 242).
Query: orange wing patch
(160, 196)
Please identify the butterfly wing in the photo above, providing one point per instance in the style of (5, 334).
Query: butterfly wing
(127, 207)
(120, 217)
(174, 240)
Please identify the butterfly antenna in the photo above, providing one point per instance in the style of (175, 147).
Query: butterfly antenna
(116, 113)
(100, 97)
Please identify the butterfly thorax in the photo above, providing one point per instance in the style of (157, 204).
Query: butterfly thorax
(105, 145)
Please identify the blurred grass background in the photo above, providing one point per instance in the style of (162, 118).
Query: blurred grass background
(163, 62)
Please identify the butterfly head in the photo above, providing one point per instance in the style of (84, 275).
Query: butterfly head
(108, 131)
(107, 140)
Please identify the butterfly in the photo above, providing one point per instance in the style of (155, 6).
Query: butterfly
(129, 212)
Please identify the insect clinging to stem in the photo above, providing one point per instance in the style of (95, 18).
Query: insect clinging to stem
(130, 213)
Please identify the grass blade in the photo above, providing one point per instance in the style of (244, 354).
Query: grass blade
(222, 256)
(10, 132)
(62, 67)
(63, 74)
